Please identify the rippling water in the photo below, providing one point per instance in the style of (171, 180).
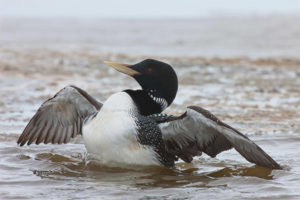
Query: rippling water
(261, 98)
(263, 102)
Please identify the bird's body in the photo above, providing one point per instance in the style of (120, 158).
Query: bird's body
(112, 137)
(129, 128)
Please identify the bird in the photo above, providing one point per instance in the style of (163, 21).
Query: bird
(130, 127)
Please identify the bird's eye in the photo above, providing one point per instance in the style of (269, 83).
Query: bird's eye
(149, 70)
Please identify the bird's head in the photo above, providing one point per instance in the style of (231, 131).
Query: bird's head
(157, 79)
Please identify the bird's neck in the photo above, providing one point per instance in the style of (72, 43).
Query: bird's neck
(146, 102)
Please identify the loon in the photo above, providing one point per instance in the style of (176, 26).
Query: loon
(130, 128)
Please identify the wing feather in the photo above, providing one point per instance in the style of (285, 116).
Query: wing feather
(60, 118)
(198, 131)
(43, 133)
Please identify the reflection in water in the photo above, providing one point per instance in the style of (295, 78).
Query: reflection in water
(255, 171)
(181, 175)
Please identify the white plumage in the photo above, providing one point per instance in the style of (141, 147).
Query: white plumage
(111, 136)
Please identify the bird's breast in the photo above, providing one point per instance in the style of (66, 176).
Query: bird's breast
(111, 136)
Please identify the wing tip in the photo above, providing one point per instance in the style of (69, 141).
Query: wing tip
(274, 166)
(278, 167)
(21, 142)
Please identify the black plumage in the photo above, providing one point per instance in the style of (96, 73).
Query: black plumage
(150, 135)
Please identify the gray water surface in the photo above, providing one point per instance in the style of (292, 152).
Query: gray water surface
(261, 101)
(245, 70)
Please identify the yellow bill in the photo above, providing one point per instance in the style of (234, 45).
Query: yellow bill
(122, 68)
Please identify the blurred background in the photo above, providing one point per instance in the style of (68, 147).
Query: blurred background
(250, 28)
(238, 59)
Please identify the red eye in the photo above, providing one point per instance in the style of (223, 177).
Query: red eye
(149, 70)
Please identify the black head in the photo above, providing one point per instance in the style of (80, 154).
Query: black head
(157, 79)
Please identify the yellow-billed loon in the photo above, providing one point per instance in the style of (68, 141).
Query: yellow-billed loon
(128, 128)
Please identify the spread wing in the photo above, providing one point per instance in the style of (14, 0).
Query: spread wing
(198, 131)
(60, 118)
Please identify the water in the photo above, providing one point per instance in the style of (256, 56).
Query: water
(212, 36)
(259, 97)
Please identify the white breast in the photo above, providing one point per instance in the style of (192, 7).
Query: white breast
(111, 136)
